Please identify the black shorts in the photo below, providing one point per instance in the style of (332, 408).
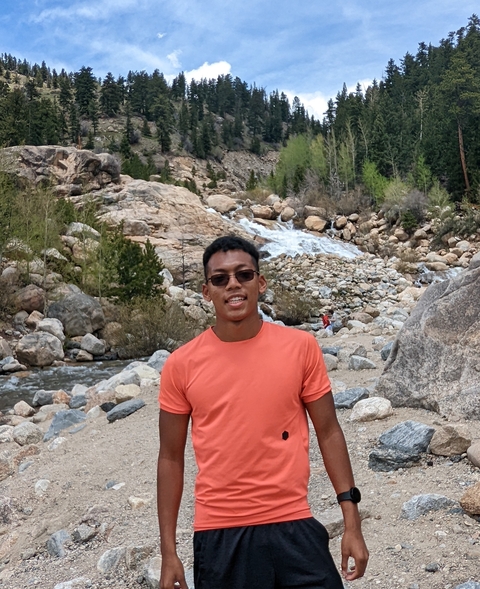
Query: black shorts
(284, 555)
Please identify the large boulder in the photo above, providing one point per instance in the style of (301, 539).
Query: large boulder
(181, 226)
(79, 314)
(39, 349)
(31, 298)
(434, 362)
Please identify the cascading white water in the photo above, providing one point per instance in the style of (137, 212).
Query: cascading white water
(284, 239)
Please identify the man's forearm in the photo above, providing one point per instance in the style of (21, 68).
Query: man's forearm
(169, 495)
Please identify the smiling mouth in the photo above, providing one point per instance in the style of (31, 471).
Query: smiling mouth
(235, 300)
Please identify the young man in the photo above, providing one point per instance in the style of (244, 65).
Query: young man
(248, 386)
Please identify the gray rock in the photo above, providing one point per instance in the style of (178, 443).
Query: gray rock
(5, 349)
(78, 401)
(332, 350)
(345, 353)
(423, 504)
(6, 433)
(331, 362)
(124, 377)
(77, 583)
(439, 338)
(125, 409)
(469, 584)
(13, 367)
(158, 359)
(110, 559)
(433, 567)
(39, 349)
(385, 351)
(151, 573)
(42, 398)
(84, 533)
(63, 420)
(386, 459)
(92, 345)
(79, 314)
(6, 510)
(410, 437)
(7, 466)
(360, 363)
(53, 326)
(56, 542)
(27, 433)
(348, 398)
(135, 555)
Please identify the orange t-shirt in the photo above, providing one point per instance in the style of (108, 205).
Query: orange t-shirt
(249, 425)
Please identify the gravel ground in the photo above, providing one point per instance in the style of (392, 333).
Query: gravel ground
(439, 550)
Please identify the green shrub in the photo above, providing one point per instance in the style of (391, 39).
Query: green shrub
(409, 221)
(152, 324)
(460, 226)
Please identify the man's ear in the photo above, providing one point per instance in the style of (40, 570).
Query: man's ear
(262, 284)
(205, 293)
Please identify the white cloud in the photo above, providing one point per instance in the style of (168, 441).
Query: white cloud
(87, 10)
(314, 102)
(161, 35)
(173, 58)
(209, 70)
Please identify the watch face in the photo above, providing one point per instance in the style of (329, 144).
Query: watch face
(355, 495)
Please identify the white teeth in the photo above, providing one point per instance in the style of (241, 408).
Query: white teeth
(236, 300)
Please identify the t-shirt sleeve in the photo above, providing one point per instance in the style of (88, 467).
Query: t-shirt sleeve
(171, 396)
(316, 382)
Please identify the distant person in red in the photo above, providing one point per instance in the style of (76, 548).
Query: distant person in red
(327, 324)
(247, 387)
(326, 321)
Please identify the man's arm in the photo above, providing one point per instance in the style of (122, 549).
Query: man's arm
(337, 464)
(171, 457)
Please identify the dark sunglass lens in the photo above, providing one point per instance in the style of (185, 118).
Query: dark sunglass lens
(245, 275)
(219, 279)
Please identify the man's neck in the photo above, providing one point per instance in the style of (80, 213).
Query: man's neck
(237, 331)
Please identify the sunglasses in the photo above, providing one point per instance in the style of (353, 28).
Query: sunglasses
(240, 276)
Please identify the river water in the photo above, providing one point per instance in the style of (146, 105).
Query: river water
(16, 388)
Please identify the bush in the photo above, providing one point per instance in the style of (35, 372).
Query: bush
(409, 221)
(150, 325)
(130, 272)
(463, 226)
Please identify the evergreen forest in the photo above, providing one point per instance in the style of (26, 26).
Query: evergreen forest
(420, 123)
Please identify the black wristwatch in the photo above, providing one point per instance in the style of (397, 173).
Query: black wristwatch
(353, 495)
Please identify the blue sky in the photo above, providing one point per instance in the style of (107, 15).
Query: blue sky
(308, 49)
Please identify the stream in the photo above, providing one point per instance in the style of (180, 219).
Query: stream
(14, 388)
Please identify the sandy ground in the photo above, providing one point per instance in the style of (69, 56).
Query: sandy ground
(126, 452)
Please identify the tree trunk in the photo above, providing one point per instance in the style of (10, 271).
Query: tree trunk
(462, 157)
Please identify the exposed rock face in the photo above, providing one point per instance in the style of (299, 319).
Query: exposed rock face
(73, 171)
(39, 349)
(79, 314)
(434, 360)
(180, 226)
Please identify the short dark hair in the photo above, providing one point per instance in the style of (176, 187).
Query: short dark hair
(227, 243)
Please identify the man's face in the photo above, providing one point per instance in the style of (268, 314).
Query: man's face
(236, 301)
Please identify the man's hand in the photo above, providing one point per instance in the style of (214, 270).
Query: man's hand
(172, 572)
(353, 546)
